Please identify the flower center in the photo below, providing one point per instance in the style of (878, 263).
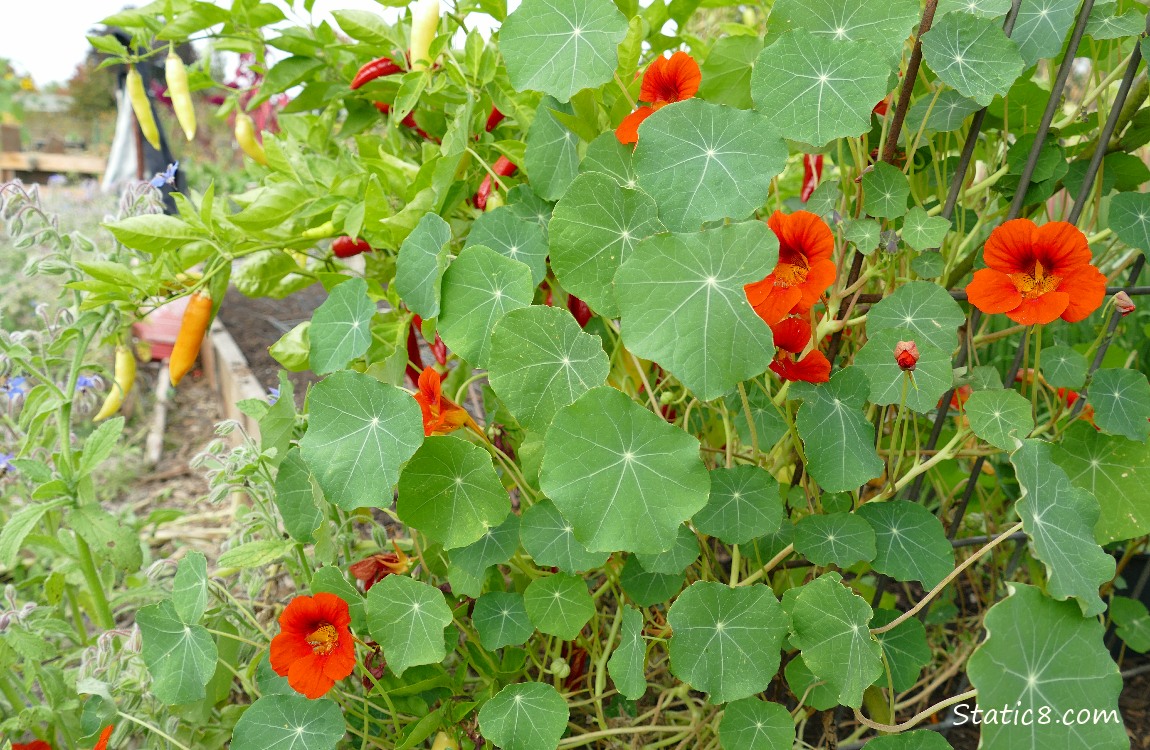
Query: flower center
(323, 639)
(791, 274)
(1036, 283)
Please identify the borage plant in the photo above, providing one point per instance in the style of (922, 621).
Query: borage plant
(785, 391)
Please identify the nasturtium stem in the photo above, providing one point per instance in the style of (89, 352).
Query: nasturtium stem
(103, 614)
(750, 422)
(153, 729)
(918, 718)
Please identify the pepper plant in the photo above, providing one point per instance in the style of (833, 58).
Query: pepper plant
(690, 376)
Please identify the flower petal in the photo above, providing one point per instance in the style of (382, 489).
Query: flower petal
(759, 290)
(1040, 310)
(802, 233)
(1010, 248)
(286, 649)
(333, 609)
(813, 368)
(340, 662)
(1086, 286)
(1060, 246)
(778, 303)
(792, 334)
(306, 676)
(819, 278)
(628, 130)
(993, 292)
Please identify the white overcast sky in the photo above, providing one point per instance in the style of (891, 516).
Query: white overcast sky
(47, 37)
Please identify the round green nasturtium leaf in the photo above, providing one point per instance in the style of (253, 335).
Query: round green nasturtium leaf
(479, 288)
(811, 690)
(407, 618)
(973, 56)
(449, 491)
(360, 431)
(550, 540)
(648, 477)
(1113, 469)
(291, 722)
(744, 504)
(928, 265)
(296, 498)
(922, 739)
(181, 657)
(628, 663)
(552, 155)
(910, 542)
(1106, 23)
(885, 191)
(190, 588)
(948, 113)
(683, 305)
(837, 438)
(1121, 400)
(925, 309)
(542, 361)
(608, 156)
(648, 589)
(815, 89)
(1129, 217)
(495, 547)
(1063, 367)
(559, 605)
(932, 376)
(921, 231)
(594, 229)
(501, 620)
(507, 234)
(525, 716)
(341, 327)
(752, 724)
(727, 70)
(527, 205)
(883, 23)
(1041, 27)
(703, 161)
(420, 265)
(863, 234)
(1132, 622)
(682, 554)
(831, 625)
(906, 649)
(983, 8)
(1042, 655)
(726, 641)
(840, 538)
(1060, 520)
(999, 417)
(560, 47)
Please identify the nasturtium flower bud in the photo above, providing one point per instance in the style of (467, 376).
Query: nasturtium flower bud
(906, 354)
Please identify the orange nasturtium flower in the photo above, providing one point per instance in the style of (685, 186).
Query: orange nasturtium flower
(813, 368)
(374, 568)
(440, 415)
(667, 80)
(1037, 274)
(792, 334)
(804, 271)
(314, 647)
(105, 735)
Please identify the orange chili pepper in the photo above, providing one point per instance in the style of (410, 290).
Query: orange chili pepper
(191, 336)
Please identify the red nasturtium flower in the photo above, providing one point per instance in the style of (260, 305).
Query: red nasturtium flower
(906, 354)
(440, 415)
(1037, 274)
(314, 647)
(792, 334)
(813, 368)
(374, 568)
(105, 735)
(1069, 396)
(33, 745)
(804, 271)
(667, 80)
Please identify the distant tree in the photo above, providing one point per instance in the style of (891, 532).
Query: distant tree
(93, 90)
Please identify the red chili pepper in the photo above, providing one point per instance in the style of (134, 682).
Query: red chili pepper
(378, 68)
(812, 171)
(414, 358)
(346, 247)
(579, 309)
(494, 119)
(502, 167)
(438, 348)
(385, 108)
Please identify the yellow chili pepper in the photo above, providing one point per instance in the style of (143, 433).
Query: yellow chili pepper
(123, 380)
(192, 329)
(142, 107)
(424, 24)
(181, 95)
(246, 137)
(444, 742)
